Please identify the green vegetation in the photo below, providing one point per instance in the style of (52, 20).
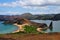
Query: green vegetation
(30, 29)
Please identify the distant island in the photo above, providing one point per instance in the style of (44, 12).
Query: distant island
(29, 16)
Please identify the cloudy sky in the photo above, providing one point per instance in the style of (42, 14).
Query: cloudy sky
(13, 7)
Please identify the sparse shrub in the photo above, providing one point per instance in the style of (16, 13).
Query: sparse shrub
(30, 29)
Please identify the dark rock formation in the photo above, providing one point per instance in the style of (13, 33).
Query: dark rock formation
(40, 25)
(51, 26)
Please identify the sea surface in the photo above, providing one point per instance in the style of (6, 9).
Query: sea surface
(55, 25)
(7, 28)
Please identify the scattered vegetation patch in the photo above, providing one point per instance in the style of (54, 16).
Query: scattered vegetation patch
(30, 29)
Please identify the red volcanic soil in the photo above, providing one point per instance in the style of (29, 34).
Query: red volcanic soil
(53, 36)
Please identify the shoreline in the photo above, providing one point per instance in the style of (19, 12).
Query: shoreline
(20, 27)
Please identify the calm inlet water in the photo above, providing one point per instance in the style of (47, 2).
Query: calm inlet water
(7, 28)
(56, 25)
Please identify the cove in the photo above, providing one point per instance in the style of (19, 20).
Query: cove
(7, 28)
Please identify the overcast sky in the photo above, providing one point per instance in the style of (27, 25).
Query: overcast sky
(17, 7)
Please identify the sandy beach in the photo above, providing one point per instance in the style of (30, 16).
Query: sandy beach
(20, 27)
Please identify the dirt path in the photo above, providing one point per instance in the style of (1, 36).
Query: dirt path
(20, 27)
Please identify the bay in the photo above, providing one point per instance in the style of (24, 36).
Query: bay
(56, 25)
(7, 28)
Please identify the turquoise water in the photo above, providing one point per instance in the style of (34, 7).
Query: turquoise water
(7, 28)
(56, 25)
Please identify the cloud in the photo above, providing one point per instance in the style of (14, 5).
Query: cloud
(33, 3)
(41, 3)
(9, 13)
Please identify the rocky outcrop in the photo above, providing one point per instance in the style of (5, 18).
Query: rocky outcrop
(24, 21)
(40, 25)
(51, 26)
